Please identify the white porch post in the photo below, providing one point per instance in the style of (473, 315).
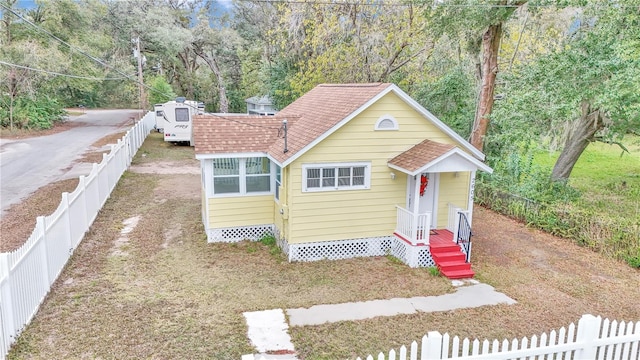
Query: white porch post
(472, 188)
(415, 207)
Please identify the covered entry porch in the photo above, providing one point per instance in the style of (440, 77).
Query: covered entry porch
(416, 229)
(438, 208)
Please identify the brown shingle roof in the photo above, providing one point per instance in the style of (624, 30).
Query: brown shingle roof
(309, 117)
(420, 155)
(320, 109)
(216, 134)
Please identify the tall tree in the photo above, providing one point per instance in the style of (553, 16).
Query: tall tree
(27, 58)
(360, 41)
(217, 44)
(588, 88)
(481, 24)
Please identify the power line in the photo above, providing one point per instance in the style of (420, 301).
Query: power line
(99, 61)
(59, 74)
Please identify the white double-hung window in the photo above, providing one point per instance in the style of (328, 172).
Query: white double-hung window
(338, 176)
(241, 176)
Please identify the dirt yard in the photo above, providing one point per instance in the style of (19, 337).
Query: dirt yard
(145, 284)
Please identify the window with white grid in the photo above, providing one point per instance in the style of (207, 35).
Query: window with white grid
(339, 176)
(241, 176)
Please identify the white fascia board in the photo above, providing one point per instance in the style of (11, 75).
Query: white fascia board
(273, 160)
(230, 155)
(472, 160)
(237, 155)
(395, 167)
(337, 126)
(437, 122)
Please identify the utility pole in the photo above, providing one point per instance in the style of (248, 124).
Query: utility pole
(143, 95)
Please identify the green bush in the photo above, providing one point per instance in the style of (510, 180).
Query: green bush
(634, 261)
(615, 237)
(268, 240)
(39, 112)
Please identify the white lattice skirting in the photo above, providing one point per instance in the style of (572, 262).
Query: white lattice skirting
(240, 233)
(414, 256)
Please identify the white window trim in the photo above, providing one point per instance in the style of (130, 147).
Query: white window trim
(274, 170)
(387, 117)
(243, 179)
(367, 176)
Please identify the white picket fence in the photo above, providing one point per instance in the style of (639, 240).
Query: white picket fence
(26, 274)
(594, 339)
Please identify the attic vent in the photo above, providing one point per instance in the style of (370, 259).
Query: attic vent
(386, 122)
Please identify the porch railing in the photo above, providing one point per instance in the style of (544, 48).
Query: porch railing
(463, 238)
(458, 224)
(413, 227)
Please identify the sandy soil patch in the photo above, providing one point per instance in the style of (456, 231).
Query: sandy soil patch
(165, 168)
(18, 221)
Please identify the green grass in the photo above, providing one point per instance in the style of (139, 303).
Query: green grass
(156, 149)
(174, 296)
(608, 179)
(609, 182)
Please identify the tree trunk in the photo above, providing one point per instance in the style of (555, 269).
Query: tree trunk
(490, 47)
(583, 132)
(213, 65)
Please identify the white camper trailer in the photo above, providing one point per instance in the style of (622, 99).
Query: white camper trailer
(177, 120)
(158, 109)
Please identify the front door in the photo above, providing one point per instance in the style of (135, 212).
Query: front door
(427, 198)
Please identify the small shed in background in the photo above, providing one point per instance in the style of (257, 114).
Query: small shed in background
(260, 105)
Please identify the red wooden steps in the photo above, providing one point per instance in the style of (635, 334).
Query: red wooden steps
(449, 259)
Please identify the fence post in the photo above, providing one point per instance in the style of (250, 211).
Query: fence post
(41, 224)
(83, 204)
(103, 181)
(7, 326)
(432, 347)
(65, 201)
(588, 332)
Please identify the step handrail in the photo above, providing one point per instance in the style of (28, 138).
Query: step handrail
(464, 236)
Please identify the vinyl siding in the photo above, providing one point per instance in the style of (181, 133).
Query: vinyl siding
(347, 214)
(453, 190)
(241, 211)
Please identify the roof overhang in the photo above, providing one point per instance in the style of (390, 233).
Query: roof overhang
(236, 155)
(454, 160)
(412, 103)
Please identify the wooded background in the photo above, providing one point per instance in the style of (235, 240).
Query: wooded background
(516, 77)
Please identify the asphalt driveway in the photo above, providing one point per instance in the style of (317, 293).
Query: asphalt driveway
(30, 163)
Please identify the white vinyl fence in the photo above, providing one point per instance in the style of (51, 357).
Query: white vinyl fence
(593, 338)
(26, 274)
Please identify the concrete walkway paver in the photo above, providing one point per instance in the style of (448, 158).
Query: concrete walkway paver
(268, 331)
(465, 297)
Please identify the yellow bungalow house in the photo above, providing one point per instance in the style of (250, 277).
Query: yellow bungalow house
(346, 170)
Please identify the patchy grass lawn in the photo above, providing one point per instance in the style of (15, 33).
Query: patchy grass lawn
(172, 295)
(162, 292)
(608, 179)
(156, 149)
(19, 220)
(553, 280)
